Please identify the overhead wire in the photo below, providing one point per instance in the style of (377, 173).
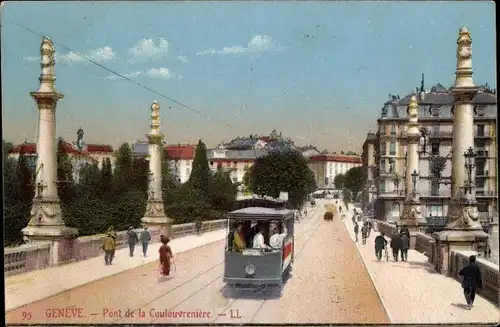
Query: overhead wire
(125, 77)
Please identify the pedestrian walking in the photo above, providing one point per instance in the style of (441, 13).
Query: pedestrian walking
(395, 245)
(133, 239)
(380, 244)
(364, 232)
(109, 247)
(356, 231)
(165, 254)
(471, 280)
(145, 239)
(405, 245)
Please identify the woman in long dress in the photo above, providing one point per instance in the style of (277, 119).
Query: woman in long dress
(165, 256)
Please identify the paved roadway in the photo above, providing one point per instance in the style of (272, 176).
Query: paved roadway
(329, 284)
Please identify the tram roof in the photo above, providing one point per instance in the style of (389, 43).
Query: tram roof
(260, 213)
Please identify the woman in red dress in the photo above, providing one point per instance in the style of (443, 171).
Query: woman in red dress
(165, 256)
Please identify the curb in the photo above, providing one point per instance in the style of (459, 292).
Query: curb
(391, 319)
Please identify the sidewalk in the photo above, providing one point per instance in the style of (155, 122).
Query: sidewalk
(40, 284)
(413, 293)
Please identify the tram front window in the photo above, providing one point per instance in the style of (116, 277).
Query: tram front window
(258, 235)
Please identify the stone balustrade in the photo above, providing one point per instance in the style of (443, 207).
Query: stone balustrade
(426, 245)
(29, 257)
(386, 228)
(489, 272)
(26, 257)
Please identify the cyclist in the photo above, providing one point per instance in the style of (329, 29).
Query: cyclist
(380, 244)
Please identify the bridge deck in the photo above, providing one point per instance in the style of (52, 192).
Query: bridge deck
(326, 286)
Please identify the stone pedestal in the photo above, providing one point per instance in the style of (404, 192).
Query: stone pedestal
(155, 218)
(449, 240)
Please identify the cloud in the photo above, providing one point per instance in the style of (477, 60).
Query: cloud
(32, 59)
(258, 44)
(157, 73)
(149, 49)
(183, 59)
(98, 55)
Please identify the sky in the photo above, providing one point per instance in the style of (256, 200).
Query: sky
(319, 72)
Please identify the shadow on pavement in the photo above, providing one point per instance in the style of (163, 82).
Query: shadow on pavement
(460, 305)
(271, 293)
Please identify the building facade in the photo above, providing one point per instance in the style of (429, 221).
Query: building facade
(368, 164)
(327, 166)
(77, 157)
(181, 160)
(436, 121)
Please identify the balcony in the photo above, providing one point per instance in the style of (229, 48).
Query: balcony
(440, 135)
(482, 154)
(391, 194)
(482, 173)
(481, 193)
(482, 135)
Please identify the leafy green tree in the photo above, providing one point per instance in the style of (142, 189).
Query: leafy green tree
(169, 183)
(123, 169)
(7, 147)
(200, 176)
(90, 215)
(65, 186)
(223, 192)
(346, 196)
(90, 178)
(354, 181)
(339, 181)
(247, 178)
(106, 184)
(188, 205)
(26, 178)
(283, 171)
(129, 209)
(140, 175)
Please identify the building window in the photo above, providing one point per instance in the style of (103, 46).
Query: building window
(435, 111)
(435, 148)
(480, 130)
(393, 129)
(392, 148)
(480, 165)
(480, 184)
(382, 166)
(435, 211)
(382, 186)
(383, 149)
(480, 111)
(434, 188)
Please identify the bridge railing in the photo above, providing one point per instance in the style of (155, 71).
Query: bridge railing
(28, 257)
(489, 272)
(426, 245)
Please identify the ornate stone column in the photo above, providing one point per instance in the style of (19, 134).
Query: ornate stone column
(464, 230)
(155, 212)
(47, 222)
(412, 214)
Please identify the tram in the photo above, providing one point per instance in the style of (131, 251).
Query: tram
(256, 268)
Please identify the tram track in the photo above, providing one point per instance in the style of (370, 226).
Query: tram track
(306, 232)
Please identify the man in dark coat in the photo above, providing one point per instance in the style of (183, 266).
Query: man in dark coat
(405, 245)
(356, 231)
(133, 239)
(471, 280)
(395, 245)
(380, 244)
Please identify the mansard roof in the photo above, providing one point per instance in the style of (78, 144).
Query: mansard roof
(440, 95)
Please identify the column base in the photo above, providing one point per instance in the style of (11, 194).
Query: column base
(60, 238)
(449, 240)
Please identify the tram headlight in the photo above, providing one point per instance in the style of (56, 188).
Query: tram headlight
(250, 269)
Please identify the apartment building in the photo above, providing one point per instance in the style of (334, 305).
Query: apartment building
(327, 166)
(436, 118)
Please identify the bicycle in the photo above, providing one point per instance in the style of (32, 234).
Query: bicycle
(386, 254)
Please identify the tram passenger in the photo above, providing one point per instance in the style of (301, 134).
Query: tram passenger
(276, 241)
(230, 236)
(258, 239)
(239, 242)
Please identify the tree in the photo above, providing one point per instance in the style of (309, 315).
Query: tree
(200, 173)
(223, 192)
(90, 179)
(354, 180)
(123, 169)
(65, 187)
(346, 196)
(339, 181)
(247, 178)
(283, 171)
(106, 184)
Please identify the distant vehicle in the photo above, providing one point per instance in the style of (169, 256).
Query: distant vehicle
(328, 215)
